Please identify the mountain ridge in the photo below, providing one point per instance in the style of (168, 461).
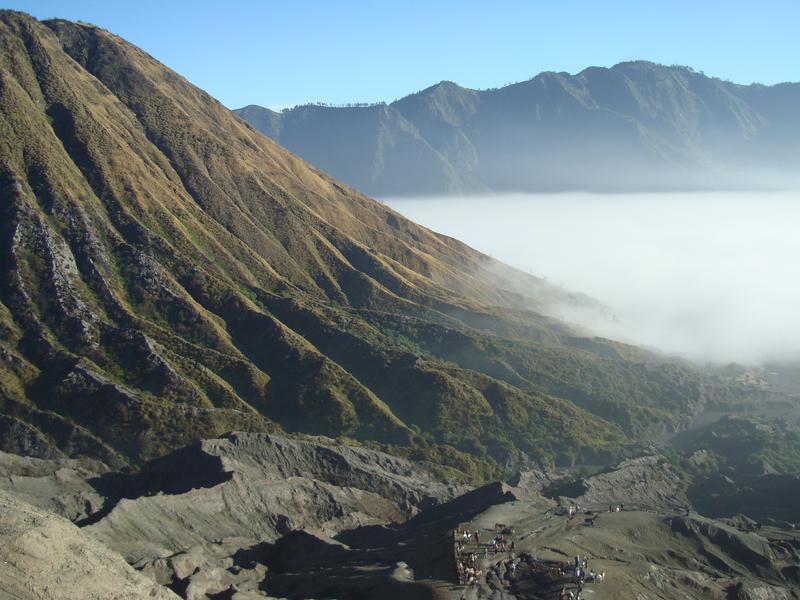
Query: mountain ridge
(637, 125)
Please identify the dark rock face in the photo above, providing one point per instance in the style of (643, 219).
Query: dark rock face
(762, 497)
(736, 472)
(61, 485)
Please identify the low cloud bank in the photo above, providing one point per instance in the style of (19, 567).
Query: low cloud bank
(713, 276)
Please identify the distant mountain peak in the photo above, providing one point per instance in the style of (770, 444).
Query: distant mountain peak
(647, 65)
(256, 107)
(446, 84)
(639, 63)
(443, 87)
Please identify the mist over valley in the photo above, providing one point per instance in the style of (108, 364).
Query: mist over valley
(711, 276)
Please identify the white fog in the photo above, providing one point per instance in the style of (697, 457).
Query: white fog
(710, 275)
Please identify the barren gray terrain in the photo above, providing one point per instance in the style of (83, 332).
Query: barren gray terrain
(259, 515)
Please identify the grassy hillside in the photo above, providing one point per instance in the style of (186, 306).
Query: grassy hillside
(169, 273)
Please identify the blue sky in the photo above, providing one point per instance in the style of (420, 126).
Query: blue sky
(284, 53)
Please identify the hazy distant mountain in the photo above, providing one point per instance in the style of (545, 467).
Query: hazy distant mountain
(637, 125)
(383, 149)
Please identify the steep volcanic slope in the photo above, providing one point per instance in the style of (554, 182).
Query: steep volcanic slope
(636, 125)
(168, 274)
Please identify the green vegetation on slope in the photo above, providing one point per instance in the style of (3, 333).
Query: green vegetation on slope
(742, 464)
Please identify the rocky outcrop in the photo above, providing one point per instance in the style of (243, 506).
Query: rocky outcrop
(758, 591)
(647, 481)
(259, 487)
(274, 457)
(60, 486)
(227, 566)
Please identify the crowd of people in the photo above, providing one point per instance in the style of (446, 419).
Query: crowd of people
(469, 570)
(567, 579)
(502, 541)
(468, 565)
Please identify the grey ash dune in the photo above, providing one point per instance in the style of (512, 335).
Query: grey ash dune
(634, 126)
